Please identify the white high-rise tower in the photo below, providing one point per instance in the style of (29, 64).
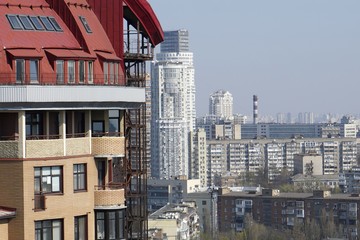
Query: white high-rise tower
(221, 104)
(172, 106)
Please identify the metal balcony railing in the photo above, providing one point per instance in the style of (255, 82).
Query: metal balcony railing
(39, 202)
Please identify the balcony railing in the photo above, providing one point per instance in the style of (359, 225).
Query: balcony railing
(61, 79)
(111, 195)
(39, 202)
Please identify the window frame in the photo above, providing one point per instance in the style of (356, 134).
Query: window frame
(41, 226)
(25, 22)
(20, 76)
(37, 23)
(106, 72)
(118, 223)
(85, 24)
(81, 71)
(90, 72)
(77, 227)
(31, 74)
(60, 75)
(14, 21)
(47, 24)
(79, 175)
(55, 24)
(39, 179)
(71, 71)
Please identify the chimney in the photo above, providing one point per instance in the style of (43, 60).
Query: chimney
(255, 108)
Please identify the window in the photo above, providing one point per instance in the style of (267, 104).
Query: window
(110, 224)
(26, 23)
(79, 177)
(80, 228)
(49, 230)
(14, 22)
(71, 71)
(114, 121)
(60, 71)
(111, 75)
(98, 128)
(81, 71)
(47, 24)
(20, 70)
(36, 22)
(34, 71)
(34, 124)
(48, 179)
(85, 23)
(116, 73)
(106, 73)
(90, 72)
(55, 24)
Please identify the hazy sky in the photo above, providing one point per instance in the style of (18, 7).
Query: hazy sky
(296, 55)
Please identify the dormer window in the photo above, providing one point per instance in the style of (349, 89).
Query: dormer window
(55, 24)
(34, 70)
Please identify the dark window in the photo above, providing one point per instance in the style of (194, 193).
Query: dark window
(98, 128)
(26, 23)
(110, 225)
(79, 177)
(47, 24)
(114, 121)
(34, 71)
(34, 125)
(20, 70)
(80, 228)
(49, 230)
(81, 71)
(55, 24)
(14, 22)
(48, 179)
(85, 23)
(36, 22)
(60, 71)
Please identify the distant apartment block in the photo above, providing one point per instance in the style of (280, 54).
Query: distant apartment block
(285, 210)
(221, 104)
(271, 157)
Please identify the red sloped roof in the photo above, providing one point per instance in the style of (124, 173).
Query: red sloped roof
(67, 53)
(24, 53)
(97, 39)
(11, 38)
(142, 11)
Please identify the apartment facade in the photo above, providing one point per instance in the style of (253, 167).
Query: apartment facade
(271, 157)
(285, 210)
(65, 105)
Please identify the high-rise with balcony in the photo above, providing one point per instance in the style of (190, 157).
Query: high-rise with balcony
(173, 106)
(221, 104)
(72, 101)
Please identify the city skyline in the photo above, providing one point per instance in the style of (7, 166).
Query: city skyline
(296, 56)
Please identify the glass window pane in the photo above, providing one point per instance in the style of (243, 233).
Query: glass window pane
(26, 22)
(71, 71)
(113, 113)
(46, 171)
(113, 125)
(55, 24)
(60, 71)
(81, 71)
(56, 184)
(56, 170)
(34, 70)
(57, 230)
(106, 71)
(75, 182)
(90, 72)
(36, 22)
(14, 22)
(47, 23)
(20, 70)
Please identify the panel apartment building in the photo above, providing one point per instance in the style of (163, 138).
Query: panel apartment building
(70, 94)
(240, 157)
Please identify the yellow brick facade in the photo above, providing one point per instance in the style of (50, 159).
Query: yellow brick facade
(17, 184)
(4, 229)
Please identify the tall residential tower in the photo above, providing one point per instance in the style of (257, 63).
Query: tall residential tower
(173, 106)
(221, 104)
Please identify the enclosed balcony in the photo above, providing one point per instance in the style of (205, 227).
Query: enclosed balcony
(109, 196)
